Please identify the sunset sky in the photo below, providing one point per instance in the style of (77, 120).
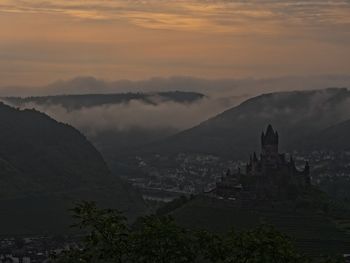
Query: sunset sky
(42, 41)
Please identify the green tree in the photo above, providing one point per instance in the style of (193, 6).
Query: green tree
(107, 235)
(261, 245)
(160, 240)
(211, 247)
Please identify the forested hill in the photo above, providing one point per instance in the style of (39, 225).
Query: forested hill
(46, 165)
(235, 133)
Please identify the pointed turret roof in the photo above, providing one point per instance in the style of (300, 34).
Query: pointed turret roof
(255, 158)
(270, 130)
(270, 136)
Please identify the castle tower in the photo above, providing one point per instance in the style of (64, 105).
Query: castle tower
(269, 142)
(268, 176)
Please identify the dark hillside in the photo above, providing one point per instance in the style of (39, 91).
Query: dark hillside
(334, 138)
(44, 160)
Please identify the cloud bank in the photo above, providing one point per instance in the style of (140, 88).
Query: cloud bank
(137, 115)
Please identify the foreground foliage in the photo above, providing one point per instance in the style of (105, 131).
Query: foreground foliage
(155, 239)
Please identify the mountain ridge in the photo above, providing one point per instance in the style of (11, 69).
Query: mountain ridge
(295, 115)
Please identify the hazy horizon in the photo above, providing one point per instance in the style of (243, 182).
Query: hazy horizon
(51, 40)
(213, 87)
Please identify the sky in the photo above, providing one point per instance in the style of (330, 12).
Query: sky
(45, 40)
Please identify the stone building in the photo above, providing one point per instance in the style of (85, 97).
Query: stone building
(269, 176)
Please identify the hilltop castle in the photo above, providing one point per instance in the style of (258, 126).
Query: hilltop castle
(269, 176)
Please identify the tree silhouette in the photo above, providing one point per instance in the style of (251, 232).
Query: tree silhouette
(158, 239)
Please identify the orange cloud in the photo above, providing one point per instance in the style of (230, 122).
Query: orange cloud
(41, 41)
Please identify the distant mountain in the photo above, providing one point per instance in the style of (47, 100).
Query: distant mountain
(233, 133)
(45, 166)
(231, 87)
(74, 102)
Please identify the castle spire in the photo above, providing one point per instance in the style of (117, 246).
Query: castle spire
(270, 130)
(269, 141)
(255, 157)
(270, 136)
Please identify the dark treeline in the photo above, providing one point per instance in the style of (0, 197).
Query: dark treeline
(153, 239)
